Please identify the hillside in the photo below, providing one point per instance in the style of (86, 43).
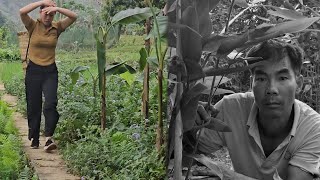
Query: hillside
(10, 9)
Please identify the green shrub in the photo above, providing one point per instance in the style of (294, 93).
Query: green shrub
(10, 54)
(114, 154)
(13, 163)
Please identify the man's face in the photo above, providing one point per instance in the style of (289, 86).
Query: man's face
(274, 87)
(46, 18)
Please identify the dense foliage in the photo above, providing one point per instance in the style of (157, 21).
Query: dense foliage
(211, 39)
(126, 149)
(7, 52)
(13, 164)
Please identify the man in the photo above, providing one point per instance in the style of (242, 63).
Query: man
(274, 136)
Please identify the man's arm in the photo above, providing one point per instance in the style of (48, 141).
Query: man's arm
(296, 173)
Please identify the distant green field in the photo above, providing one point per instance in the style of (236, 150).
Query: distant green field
(127, 49)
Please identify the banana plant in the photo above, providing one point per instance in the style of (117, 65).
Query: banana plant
(190, 33)
(105, 37)
(157, 33)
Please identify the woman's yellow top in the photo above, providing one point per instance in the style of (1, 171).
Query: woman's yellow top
(43, 41)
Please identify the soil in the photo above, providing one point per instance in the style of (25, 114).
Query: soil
(48, 166)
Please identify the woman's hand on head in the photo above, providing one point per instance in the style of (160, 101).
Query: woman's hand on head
(48, 3)
(50, 9)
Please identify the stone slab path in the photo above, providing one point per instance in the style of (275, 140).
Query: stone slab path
(48, 166)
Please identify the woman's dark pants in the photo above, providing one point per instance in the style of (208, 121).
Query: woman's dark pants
(41, 79)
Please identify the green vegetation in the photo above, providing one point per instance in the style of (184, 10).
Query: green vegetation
(7, 52)
(13, 164)
(126, 149)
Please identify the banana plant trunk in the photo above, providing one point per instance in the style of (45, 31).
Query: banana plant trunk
(103, 102)
(146, 72)
(178, 124)
(145, 97)
(159, 138)
(101, 56)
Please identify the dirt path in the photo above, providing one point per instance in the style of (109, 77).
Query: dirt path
(48, 166)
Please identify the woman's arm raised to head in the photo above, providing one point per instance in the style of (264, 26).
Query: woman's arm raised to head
(30, 7)
(66, 22)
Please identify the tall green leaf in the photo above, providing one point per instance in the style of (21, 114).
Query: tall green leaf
(119, 68)
(207, 81)
(241, 3)
(113, 35)
(163, 23)
(132, 15)
(281, 28)
(101, 54)
(143, 58)
(218, 91)
(212, 165)
(285, 13)
(195, 91)
(74, 74)
(224, 45)
(203, 7)
(189, 18)
(128, 77)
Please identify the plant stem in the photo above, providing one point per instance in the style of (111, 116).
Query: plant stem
(103, 102)
(146, 72)
(159, 140)
(178, 135)
(212, 86)
(229, 15)
(160, 57)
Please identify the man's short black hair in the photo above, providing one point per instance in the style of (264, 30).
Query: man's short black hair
(275, 50)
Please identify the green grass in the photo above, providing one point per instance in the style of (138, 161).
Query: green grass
(127, 49)
(77, 107)
(8, 70)
(13, 163)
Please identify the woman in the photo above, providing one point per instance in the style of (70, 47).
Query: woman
(41, 74)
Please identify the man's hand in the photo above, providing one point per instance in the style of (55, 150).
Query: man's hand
(48, 3)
